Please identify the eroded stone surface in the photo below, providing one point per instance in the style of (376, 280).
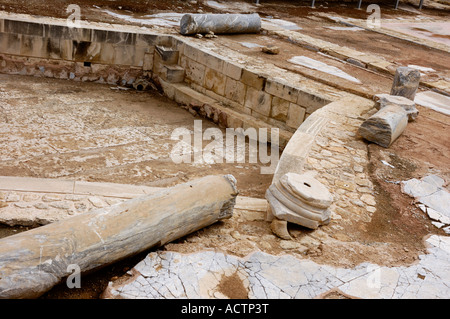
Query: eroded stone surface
(434, 199)
(166, 274)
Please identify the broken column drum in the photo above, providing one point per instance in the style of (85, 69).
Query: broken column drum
(220, 23)
(32, 262)
(385, 126)
(406, 82)
(300, 199)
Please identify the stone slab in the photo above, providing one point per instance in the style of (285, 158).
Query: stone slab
(434, 101)
(168, 275)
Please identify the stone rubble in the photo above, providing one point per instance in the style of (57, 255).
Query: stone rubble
(434, 199)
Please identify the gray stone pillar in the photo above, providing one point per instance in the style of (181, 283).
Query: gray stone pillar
(220, 23)
(406, 82)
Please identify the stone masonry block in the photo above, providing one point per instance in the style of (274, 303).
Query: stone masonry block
(235, 91)
(195, 72)
(64, 32)
(296, 115)
(168, 55)
(280, 109)
(232, 70)
(107, 53)
(10, 43)
(311, 102)
(282, 90)
(191, 52)
(146, 39)
(23, 27)
(258, 101)
(215, 81)
(253, 79)
(148, 62)
(211, 60)
(123, 55)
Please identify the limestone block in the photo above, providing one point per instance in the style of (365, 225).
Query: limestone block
(408, 105)
(300, 199)
(311, 102)
(172, 73)
(146, 39)
(253, 79)
(232, 70)
(148, 62)
(280, 108)
(282, 90)
(220, 23)
(63, 32)
(406, 82)
(258, 101)
(168, 55)
(120, 38)
(235, 90)
(295, 116)
(195, 71)
(211, 60)
(385, 126)
(10, 43)
(23, 27)
(215, 81)
(191, 52)
(124, 54)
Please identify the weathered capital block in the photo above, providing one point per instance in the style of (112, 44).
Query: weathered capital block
(408, 105)
(406, 82)
(385, 126)
(300, 199)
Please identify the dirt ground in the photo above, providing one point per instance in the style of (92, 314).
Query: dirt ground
(422, 149)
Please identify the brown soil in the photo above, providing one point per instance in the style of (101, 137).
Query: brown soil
(233, 287)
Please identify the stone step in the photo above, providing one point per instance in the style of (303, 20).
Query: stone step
(169, 56)
(172, 73)
(200, 104)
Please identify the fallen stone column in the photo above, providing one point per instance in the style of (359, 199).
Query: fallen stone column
(406, 82)
(385, 126)
(220, 23)
(34, 261)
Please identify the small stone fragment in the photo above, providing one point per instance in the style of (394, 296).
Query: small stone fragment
(279, 228)
(271, 49)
